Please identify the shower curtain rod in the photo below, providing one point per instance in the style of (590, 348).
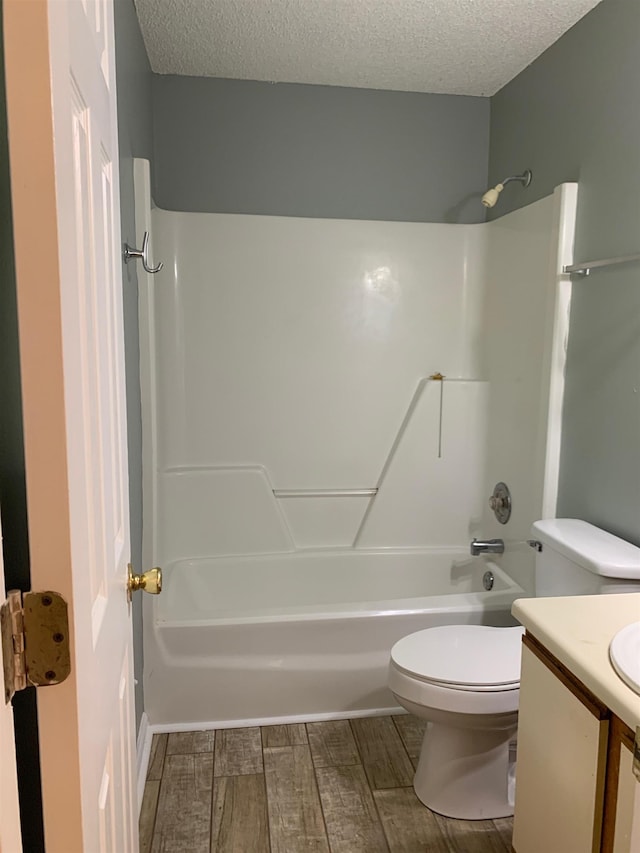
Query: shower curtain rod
(585, 269)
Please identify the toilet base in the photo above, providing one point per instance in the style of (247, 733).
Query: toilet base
(466, 773)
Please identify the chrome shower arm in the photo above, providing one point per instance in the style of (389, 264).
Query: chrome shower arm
(524, 178)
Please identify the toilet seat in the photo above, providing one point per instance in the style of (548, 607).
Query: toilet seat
(475, 658)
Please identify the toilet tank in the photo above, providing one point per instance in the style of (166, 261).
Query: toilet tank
(576, 558)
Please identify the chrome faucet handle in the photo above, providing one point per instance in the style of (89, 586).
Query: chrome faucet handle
(500, 502)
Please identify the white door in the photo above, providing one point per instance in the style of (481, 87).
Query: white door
(61, 107)
(9, 811)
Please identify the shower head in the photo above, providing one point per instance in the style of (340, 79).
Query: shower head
(491, 196)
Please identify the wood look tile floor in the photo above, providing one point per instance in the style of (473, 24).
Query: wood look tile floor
(337, 787)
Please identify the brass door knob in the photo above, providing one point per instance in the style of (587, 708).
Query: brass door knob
(150, 582)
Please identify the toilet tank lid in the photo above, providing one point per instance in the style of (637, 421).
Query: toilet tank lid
(590, 547)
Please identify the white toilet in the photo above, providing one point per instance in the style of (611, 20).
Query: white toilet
(465, 679)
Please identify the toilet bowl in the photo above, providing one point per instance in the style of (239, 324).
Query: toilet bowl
(464, 680)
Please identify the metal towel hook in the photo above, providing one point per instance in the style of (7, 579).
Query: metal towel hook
(143, 253)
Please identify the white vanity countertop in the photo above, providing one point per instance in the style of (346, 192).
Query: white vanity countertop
(578, 630)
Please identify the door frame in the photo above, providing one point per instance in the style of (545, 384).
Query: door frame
(15, 543)
(35, 220)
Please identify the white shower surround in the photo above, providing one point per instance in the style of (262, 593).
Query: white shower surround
(294, 354)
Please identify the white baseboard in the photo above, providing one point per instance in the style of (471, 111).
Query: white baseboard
(143, 751)
(207, 725)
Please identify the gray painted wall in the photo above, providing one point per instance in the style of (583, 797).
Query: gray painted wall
(574, 114)
(237, 146)
(135, 140)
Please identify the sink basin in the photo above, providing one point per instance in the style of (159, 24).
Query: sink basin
(624, 652)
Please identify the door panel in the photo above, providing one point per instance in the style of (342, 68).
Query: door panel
(65, 190)
(560, 772)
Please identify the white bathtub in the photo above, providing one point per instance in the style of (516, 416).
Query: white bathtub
(308, 634)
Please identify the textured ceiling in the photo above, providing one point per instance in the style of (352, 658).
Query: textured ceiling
(458, 47)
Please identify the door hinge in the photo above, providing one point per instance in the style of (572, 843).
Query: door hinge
(35, 640)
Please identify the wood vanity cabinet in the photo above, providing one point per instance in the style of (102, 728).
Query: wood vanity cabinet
(575, 789)
(621, 828)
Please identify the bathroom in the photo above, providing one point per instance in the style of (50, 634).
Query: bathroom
(303, 448)
(555, 118)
